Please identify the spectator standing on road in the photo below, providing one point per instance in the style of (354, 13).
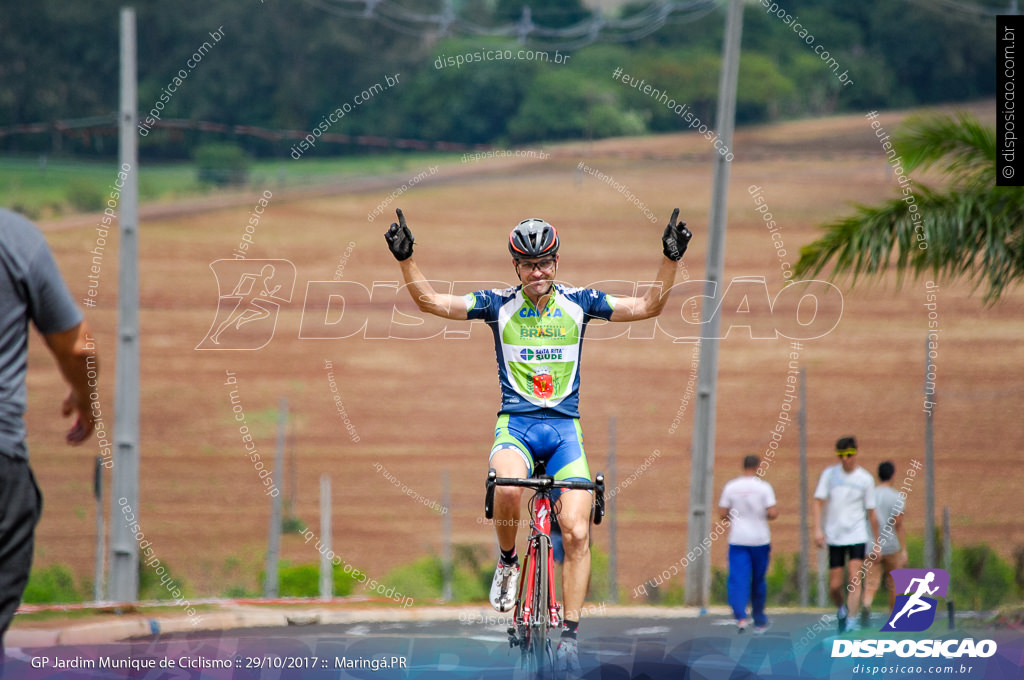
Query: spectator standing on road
(31, 290)
(846, 494)
(890, 547)
(749, 503)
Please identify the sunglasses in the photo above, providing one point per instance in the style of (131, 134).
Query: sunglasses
(846, 453)
(544, 265)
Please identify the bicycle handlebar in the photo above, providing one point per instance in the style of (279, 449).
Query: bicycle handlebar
(544, 483)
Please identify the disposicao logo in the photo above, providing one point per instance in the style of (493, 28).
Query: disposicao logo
(914, 612)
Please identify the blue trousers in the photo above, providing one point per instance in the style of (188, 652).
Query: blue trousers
(747, 566)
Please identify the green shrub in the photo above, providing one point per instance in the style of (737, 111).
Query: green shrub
(304, 581)
(30, 211)
(221, 164)
(472, 571)
(239, 593)
(421, 580)
(83, 196)
(719, 585)
(299, 581)
(981, 579)
(54, 584)
(292, 525)
(153, 586)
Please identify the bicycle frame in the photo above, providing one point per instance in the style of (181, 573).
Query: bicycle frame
(537, 608)
(540, 554)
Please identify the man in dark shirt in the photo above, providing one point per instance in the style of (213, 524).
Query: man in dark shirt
(31, 289)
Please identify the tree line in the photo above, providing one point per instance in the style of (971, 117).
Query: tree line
(286, 65)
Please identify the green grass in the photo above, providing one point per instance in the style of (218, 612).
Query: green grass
(44, 187)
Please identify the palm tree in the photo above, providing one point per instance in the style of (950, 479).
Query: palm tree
(972, 229)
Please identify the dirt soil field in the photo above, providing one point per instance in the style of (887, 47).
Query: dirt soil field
(418, 409)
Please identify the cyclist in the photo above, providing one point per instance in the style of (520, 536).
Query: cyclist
(538, 330)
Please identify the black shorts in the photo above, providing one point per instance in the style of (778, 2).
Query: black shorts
(838, 554)
(20, 507)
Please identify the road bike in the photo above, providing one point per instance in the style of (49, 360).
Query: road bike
(537, 610)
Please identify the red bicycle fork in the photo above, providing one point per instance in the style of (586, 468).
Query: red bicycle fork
(541, 526)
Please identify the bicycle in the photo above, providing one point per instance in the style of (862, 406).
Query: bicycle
(537, 609)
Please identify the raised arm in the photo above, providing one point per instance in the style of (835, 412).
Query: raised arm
(400, 241)
(674, 241)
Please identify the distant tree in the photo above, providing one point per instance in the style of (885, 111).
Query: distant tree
(559, 106)
(546, 13)
(972, 229)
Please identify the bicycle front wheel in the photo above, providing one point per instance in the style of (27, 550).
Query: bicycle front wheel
(538, 650)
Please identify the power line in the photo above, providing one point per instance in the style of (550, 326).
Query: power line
(596, 28)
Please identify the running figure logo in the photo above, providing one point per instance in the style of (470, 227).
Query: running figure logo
(914, 611)
(247, 315)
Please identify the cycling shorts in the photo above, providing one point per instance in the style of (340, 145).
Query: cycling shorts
(557, 441)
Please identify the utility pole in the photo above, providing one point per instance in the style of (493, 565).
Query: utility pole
(447, 568)
(274, 536)
(613, 543)
(698, 573)
(929, 470)
(326, 566)
(97, 586)
(124, 550)
(805, 542)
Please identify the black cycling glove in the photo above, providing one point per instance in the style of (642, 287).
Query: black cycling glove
(676, 238)
(399, 238)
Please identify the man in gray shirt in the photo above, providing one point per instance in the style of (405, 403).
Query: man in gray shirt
(890, 547)
(32, 290)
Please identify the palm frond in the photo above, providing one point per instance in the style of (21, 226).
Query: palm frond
(962, 147)
(973, 230)
(971, 233)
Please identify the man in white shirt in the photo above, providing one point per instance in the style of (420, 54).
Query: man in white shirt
(748, 502)
(846, 493)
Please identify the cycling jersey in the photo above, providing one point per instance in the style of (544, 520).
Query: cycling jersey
(538, 352)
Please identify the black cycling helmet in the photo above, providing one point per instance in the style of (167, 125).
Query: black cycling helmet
(533, 238)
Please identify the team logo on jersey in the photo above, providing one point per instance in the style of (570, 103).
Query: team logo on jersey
(527, 312)
(543, 332)
(542, 354)
(543, 383)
